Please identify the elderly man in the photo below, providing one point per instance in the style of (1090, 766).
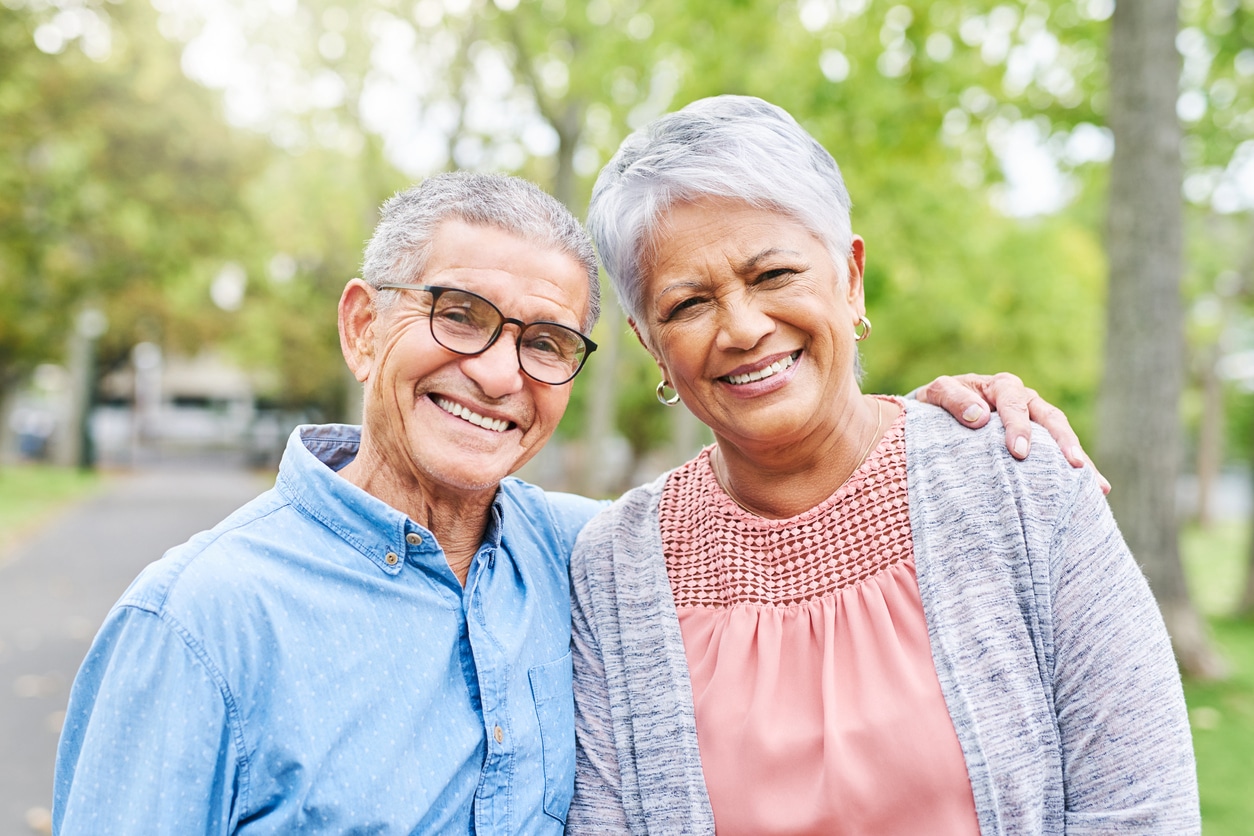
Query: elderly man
(380, 643)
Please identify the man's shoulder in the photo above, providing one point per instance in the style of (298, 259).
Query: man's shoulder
(565, 514)
(211, 561)
(633, 515)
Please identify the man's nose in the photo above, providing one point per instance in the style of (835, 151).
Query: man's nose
(496, 370)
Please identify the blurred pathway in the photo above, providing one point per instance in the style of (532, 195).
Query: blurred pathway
(56, 588)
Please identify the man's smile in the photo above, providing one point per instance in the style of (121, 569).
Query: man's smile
(459, 411)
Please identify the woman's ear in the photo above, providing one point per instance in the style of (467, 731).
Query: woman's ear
(856, 266)
(635, 329)
(357, 320)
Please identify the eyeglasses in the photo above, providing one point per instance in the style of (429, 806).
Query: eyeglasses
(466, 323)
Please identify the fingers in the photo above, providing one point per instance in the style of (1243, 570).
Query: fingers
(970, 397)
(1053, 419)
(1007, 394)
(961, 400)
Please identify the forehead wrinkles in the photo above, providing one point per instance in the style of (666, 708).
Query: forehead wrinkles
(510, 269)
(528, 297)
(697, 259)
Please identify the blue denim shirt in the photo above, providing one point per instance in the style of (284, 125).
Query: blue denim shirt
(312, 665)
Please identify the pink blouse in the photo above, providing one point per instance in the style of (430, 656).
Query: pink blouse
(818, 707)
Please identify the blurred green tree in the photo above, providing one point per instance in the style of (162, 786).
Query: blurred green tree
(913, 98)
(118, 188)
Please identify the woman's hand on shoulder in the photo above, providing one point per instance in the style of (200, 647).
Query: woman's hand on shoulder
(970, 397)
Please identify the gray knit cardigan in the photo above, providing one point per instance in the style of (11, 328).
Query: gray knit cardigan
(1053, 659)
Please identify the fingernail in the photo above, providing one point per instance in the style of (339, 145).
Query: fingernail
(1076, 454)
(1104, 483)
(972, 413)
(1021, 446)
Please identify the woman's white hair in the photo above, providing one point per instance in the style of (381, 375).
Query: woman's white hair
(401, 244)
(736, 147)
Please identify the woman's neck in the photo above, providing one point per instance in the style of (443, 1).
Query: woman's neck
(778, 481)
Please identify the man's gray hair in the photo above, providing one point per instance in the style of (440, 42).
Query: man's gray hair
(401, 244)
(736, 147)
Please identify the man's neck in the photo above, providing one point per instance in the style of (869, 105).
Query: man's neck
(457, 518)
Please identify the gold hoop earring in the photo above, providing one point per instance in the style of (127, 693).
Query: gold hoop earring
(661, 396)
(866, 329)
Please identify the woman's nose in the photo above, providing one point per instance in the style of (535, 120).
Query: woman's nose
(742, 323)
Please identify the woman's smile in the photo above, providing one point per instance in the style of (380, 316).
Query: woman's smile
(764, 371)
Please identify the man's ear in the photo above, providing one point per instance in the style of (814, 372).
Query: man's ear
(357, 319)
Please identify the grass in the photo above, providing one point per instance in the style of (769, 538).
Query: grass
(1222, 713)
(30, 493)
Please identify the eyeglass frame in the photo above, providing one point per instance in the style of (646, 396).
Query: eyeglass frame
(437, 290)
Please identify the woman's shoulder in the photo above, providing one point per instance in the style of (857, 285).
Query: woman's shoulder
(934, 438)
(632, 512)
(959, 473)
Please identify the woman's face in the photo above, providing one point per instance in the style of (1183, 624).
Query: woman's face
(748, 318)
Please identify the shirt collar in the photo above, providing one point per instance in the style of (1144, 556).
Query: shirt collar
(307, 477)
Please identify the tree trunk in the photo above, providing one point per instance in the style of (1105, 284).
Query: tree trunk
(1210, 435)
(1138, 406)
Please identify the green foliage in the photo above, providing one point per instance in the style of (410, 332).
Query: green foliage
(906, 95)
(1214, 562)
(120, 189)
(314, 211)
(1222, 714)
(1217, 107)
(120, 181)
(30, 494)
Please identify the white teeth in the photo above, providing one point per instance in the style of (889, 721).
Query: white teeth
(761, 374)
(475, 418)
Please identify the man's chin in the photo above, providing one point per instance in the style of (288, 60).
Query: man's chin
(471, 473)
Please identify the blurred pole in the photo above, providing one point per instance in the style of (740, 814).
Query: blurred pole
(146, 363)
(8, 398)
(1245, 608)
(74, 442)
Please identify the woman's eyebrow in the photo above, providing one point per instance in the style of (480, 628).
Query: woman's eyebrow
(686, 284)
(751, 263)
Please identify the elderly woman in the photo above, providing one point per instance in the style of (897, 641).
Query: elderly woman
(848, 615)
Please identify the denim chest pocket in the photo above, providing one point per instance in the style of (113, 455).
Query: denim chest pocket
(552, 688)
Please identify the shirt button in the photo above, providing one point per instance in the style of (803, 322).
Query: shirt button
(498, 735)
(413, 539)
(391, 558)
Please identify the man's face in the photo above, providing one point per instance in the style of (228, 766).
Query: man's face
(457, 422)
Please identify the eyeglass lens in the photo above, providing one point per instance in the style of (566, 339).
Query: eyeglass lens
(467, 323)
